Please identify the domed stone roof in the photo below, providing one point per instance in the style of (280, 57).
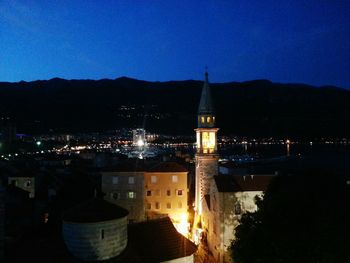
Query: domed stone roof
(94, 210)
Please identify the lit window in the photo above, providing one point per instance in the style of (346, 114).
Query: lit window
(157, 192)
(157, 205)
(208, 119)
(168, 192)
(131, 195)
(179, 205)
(202, 119)
(149, 206)
(208, 141)
(168, 205)
(115, 180)
(175, 178)
(149, 193)
(131, 180)
(153, 179)
(179, 192)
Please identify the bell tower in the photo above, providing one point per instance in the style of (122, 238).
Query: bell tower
(206, 143)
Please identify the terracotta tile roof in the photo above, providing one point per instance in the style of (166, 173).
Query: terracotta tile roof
(94, 210)
(157, 241)
(167, 167)
(234, 183)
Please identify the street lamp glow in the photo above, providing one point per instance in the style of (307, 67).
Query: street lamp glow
(38, 143)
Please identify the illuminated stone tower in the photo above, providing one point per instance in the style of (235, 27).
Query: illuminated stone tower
(206, 156)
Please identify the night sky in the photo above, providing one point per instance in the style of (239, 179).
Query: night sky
(285, 41)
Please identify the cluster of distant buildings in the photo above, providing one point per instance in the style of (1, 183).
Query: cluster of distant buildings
(139, 210)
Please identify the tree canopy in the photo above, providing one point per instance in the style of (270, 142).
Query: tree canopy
(302, 218)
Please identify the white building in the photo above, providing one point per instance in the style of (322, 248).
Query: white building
(230, 197)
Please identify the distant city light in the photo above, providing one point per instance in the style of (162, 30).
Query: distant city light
(140, 143)
(38, 143)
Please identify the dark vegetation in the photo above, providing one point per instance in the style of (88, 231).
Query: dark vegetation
(302, 218)
(256, 108)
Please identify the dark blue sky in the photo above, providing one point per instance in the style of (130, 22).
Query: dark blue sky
(284, 41)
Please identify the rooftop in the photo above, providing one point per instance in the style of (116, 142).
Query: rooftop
(239, 183)
(167, 167)
(94, 210)
(158, 241)
(135, 165)
(149, 241)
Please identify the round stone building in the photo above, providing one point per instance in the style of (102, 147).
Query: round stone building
(95, 230)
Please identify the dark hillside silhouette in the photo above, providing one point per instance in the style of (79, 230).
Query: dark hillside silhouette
(253, 108)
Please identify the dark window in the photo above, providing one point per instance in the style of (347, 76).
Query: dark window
(115, 196)
(238, 209)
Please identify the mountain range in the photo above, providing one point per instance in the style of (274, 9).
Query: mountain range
(257, 108)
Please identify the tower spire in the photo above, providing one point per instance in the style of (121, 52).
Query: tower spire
(205, 104)
(206, 143)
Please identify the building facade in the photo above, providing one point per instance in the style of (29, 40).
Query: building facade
(23, 182)
(167, 194)
(150, 193)
(230, 197)
(126, 189)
